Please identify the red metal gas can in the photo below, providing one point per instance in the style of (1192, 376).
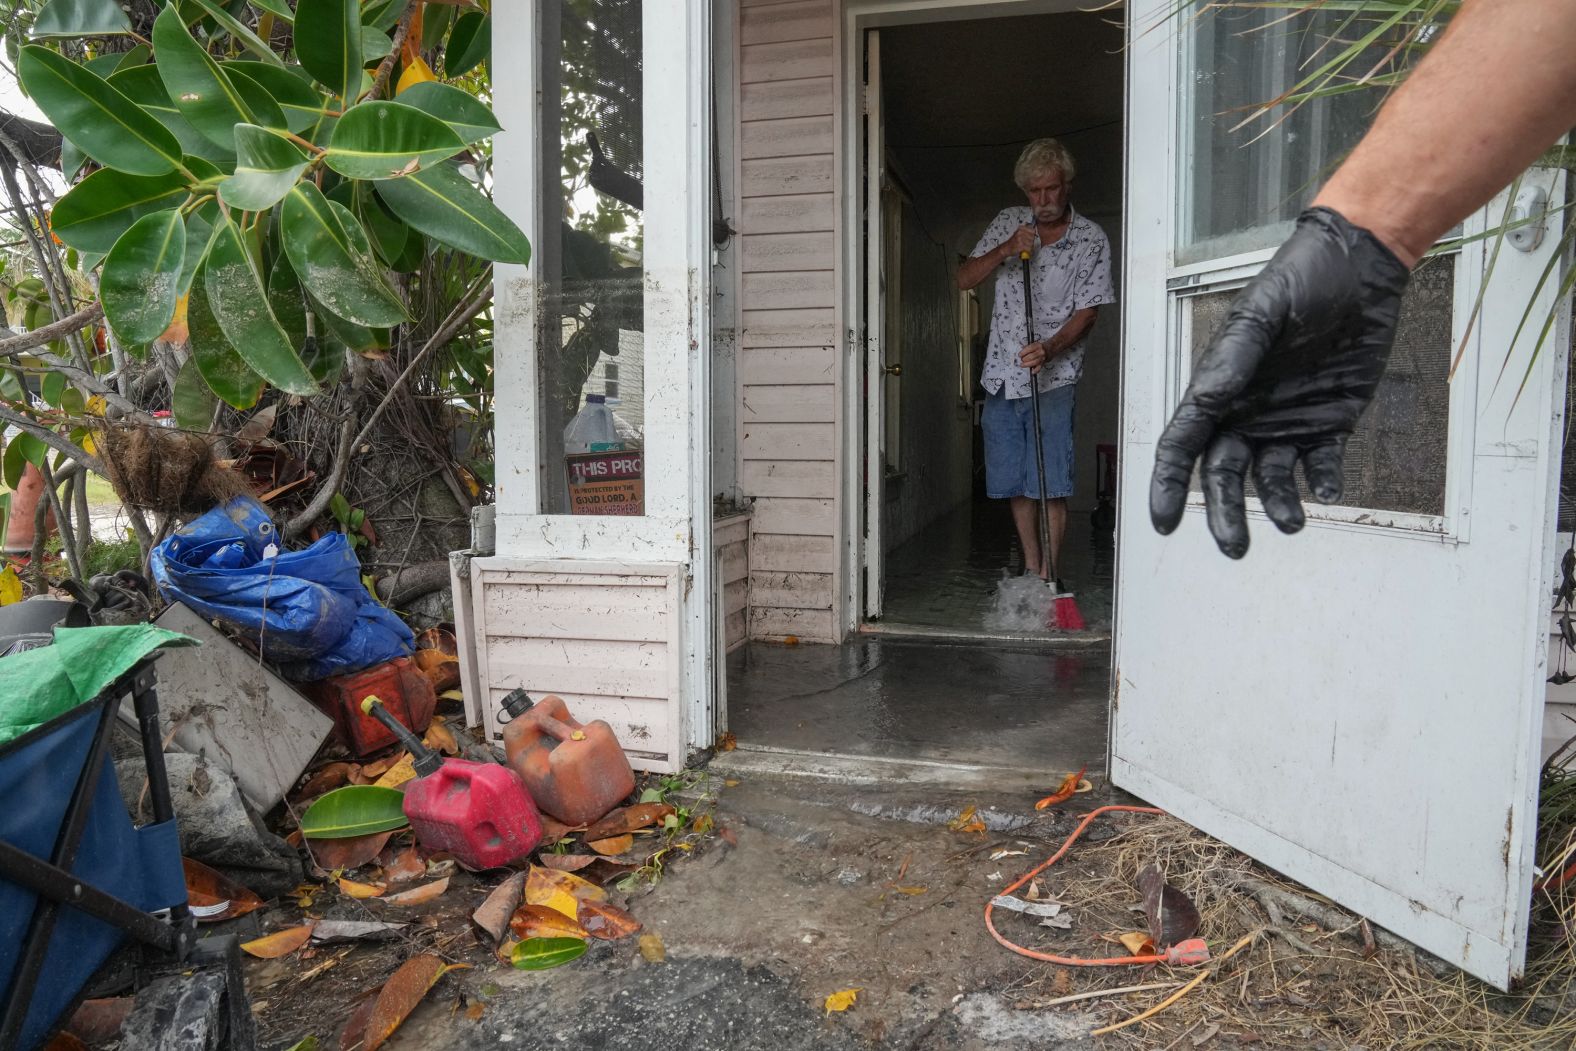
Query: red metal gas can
(478, 812)
(401, 687)
(576, 772)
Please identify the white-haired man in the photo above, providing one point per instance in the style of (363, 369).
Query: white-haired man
(1070, 274)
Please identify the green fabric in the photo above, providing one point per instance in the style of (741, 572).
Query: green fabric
(45, 683)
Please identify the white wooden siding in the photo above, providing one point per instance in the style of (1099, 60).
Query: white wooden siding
(730, 538)
(788, 374)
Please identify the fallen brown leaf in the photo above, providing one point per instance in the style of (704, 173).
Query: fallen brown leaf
(439, 737)
(331, 932)
(418, 895)
(1138, 943)
(628, 819)
(1172, 916)
(651, 947)
(405, 866)
(352, 889)
(492, 919)
(539, 921)
(400, 995)
(566, 862)
(352, 852)
(553, 830)
(560, 890)
(356, 1028)
(331, 776)
(280, 943)
(967, 821)
(64, 1041)
(612, 846)
(378, 767)
(475, 1010)
(207, 889)
(608, 922)
(1063, 791)
(729, 836)
(99, 1021)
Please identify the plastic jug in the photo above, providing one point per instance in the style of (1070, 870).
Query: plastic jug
(575, 772)
(478, 812)
(592, 429)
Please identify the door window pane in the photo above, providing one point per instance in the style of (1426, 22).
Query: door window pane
(1244, 178)
(591, 344)
(1395, 460)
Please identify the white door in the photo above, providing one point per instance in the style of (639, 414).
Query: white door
(1357, 706)
(875, 314)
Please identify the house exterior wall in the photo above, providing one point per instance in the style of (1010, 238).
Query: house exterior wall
(788, 365)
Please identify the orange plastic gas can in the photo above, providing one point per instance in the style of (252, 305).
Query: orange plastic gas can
(575, 772)
(405, 692)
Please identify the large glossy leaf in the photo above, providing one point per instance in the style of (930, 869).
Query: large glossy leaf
(469, 43)
(103, 123)
(192, 401)
(144, 86)
(335, 262)
(141, 277)
(240, 32)
(74, 18)
(277, 8)
(291, 87)
(240, 304)
(258, 101)
(386, 140)
(375, 45)
(382, 14)
(25, 448)
(357, 338)
(201, 91)
(467, 115)
(539, 954)
(267, 165)
(442, 203)
(328, 44)
(388, 234)
(220, 366)
(354, 810)
(97, 210)
(200, 223)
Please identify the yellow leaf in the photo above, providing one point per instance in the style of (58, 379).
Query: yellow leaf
(968, 821)
(95, 406)
(177, 332)
(10, 586)
(360, 890)
(89, 446)
(911, 891)
(651, 947)
(1138, 943)
(399, 773)
(452, 695)
(841, 1001)
(416, 72)
(280, 943)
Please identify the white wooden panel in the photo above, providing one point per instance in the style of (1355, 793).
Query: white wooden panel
(789, 404)
(787, 251)
(787, 365)
(788, 441)
(775, 176)
(787, 289)
(806, 625)
(811, 97)
(791, 590)
(787, 328)
(797, 213)
(604, 636)
(800, 20)
(814, 478)
(806, 517)
(788, 137)
(792, 61)
(791, 553)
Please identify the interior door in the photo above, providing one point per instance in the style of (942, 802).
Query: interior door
(875, 323)
(1357, 706)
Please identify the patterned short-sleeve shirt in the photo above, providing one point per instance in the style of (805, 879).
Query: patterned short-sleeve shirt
(1067, 276)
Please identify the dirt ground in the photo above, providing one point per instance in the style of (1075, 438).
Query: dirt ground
(804, 890)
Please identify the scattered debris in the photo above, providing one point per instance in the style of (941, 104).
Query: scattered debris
(841, 1000)
(400, 995)
(651, 948)
(330, 932)
(418, 895)
(1073, 783)
(492, 919)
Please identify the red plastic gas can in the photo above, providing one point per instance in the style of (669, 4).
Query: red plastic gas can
(478, 812)
(575, 771)
(398, 684)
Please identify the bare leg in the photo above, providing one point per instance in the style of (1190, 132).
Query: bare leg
(1056, 511)
(1026, 516)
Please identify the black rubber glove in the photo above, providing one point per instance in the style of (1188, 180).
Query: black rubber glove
(1291, 370)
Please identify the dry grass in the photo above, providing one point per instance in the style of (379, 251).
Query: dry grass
(1308, 980)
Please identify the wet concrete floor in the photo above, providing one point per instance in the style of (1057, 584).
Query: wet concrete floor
(946, 575)
(994, 704)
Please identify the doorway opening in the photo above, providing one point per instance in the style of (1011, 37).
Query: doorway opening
(957, 101)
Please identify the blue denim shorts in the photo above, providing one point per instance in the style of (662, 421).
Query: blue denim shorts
(1010, 469)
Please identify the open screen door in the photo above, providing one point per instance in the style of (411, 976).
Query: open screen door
(1357, 706)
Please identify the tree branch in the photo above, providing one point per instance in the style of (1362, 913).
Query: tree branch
(380, 80)
(37, 143)
(51, 439)
(14, 345)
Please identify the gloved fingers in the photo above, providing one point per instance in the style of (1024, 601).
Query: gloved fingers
(1225, 468)
(1322, 467)
(1180, 444)
(1277, 484)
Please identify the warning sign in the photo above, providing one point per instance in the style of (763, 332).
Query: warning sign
(611, 483)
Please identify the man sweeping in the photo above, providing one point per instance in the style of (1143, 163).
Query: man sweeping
(1036, 348)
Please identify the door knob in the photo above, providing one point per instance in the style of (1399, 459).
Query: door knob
(892, 370)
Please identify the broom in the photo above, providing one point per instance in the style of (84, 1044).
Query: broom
(1064, 612)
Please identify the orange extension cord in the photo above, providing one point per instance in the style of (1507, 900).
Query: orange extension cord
(1186, 952)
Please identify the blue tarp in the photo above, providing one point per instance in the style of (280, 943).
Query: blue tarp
(307, 609)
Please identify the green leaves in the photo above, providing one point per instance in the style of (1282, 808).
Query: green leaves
(267, 165)
(329, 252)
(240, 305)
(387, 140)
(239, 30)
(100, 121)
(459, 109)
(103, 206)
(469, 43)
(291, 87)
(354, 810)
(199, 88)
(328, 44)
(442, 203)
(217, 362)
(25, 448)
(539, 954)
(76, 18)
(192, 401)
(141, 275)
